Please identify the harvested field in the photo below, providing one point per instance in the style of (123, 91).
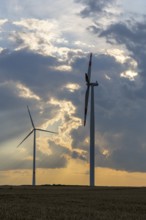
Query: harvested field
(72, 203)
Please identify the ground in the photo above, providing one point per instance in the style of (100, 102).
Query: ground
(72, 203)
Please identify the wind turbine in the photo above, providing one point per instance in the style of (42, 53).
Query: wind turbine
(34, 129)
(92, 119)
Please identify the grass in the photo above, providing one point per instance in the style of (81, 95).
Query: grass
(72, 203)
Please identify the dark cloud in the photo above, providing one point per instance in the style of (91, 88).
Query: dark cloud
(130, 33)
(95, 7)
(57, 158)
(126, 153)
(81, 156)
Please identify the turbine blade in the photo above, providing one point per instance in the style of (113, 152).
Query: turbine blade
(30, 117)
(86, 78)
(25, 138)
(89, 68)
(38, 129)
(86, 104)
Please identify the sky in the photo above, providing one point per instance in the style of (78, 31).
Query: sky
(44, 53)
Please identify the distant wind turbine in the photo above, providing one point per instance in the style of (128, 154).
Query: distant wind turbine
(34, 146)
(92, 119)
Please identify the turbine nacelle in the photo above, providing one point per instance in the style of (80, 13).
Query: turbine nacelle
(94, 84)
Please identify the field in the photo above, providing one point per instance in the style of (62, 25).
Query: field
(72, 203)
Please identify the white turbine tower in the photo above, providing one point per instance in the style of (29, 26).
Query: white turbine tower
(92, 119)
(34, 146)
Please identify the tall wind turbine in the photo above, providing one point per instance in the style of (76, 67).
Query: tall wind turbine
(92, 119)
(34, 129)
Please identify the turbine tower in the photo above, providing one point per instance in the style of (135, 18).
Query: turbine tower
(92, 119)
(34, 129)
